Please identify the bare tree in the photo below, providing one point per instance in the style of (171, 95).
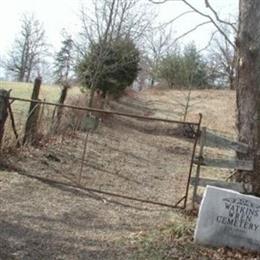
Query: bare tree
(28, 49)
(2, 67)
(224, 50)
(106, 21)
(247, 81)
(112, 19)
(222, 57)
(210, 17)
(158, 44)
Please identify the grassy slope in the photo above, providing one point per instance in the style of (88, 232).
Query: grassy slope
(24, 90)
(49, 93)
(174, 239)
(20, 108)
(217, 106)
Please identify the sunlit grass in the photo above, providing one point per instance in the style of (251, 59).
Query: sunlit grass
(49, 93)
(20, 109)
(24, 90)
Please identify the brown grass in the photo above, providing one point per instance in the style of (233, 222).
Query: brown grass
(216, 106)
(54, 219)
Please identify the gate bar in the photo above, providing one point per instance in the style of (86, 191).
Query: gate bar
(80, 187)
(137, 117)
(130, 198)
(105, 111)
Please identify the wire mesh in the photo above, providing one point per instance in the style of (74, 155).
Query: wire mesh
(138, 158)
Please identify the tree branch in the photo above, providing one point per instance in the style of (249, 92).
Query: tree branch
(191, 30)
(202, 14)
(208, 5)
(209, 42)
(174, 19)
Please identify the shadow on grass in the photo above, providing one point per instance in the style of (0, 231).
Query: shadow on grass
(100, 195)
(22, 242)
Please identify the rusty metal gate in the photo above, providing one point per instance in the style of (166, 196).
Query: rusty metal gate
(134, 157)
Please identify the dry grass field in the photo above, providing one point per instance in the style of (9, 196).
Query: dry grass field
(20, 109)
(216, 106)
(24, 90)
(45, 214)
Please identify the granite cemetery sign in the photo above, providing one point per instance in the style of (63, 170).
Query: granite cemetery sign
(228, 218)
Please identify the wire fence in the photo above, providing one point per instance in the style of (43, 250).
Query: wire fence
(130, 156)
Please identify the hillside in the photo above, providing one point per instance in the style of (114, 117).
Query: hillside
(46, 214)
(216, 106)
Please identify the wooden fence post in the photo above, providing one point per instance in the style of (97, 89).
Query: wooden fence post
(197, 177)
(4, 95)
(58, 111)
(213, 140)
(33, 114)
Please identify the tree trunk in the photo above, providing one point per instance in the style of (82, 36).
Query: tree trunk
(91, 97)
(232, 83)
(22, 68)
(248, 88)
(232, 73)
(28, 76)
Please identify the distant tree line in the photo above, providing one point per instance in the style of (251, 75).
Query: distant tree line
(111, 53)
(184, 69)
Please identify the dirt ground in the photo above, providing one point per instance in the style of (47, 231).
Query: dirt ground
(45, 214)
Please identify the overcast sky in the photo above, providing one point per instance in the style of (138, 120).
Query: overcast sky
(59, 14)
